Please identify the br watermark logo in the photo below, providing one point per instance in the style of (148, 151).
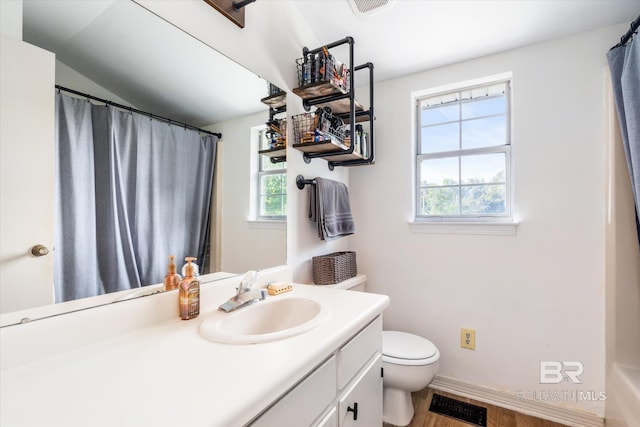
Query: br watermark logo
(555, 372)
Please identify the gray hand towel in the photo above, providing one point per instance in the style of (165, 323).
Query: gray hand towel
(329, 206)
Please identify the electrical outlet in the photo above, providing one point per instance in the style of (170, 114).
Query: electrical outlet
(468, 338)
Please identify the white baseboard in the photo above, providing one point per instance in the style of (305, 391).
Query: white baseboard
(615, 423)
(624, 388)
(511, 401)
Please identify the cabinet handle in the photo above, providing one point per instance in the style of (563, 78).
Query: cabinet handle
(354, 410)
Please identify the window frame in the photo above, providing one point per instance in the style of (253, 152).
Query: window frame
(261, 134)
(505, 148)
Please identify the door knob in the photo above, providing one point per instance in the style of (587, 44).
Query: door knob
(39, 250)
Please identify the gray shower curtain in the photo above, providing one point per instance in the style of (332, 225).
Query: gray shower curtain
(130, 191)
(624, 63)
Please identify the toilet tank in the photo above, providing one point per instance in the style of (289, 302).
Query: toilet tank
(356, 283)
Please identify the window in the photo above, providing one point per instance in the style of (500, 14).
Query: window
(272, 183)
(464, 154)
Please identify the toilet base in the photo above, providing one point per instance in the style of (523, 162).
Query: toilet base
(397, 406)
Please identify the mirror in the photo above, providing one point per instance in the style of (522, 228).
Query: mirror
(122, 52)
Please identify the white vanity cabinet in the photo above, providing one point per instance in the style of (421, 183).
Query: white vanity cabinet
(344, 391)
(311, 379)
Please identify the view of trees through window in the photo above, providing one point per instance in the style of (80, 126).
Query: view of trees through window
(451, 199)
(463, 153)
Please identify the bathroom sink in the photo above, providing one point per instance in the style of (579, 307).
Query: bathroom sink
(273, 319)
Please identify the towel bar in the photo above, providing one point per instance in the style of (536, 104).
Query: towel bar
(301, 182)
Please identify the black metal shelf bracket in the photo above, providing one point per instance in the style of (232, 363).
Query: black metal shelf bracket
(370, 112)
(301, 182)
(280, 159)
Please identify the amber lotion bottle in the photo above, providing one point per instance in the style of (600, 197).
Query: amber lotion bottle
(189, 293)
(172, 279)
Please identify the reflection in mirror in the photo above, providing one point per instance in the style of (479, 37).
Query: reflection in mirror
(119, 51)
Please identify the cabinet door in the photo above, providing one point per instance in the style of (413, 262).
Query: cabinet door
(355, 354)
(304, 404)
(361, 404)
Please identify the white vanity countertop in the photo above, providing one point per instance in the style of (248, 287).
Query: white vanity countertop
(167, 374)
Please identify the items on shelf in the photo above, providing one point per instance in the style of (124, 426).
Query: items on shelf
(319, 126)
(361, 142)
(333, 131)
(321, 67)
(276, 132)
(273, 89)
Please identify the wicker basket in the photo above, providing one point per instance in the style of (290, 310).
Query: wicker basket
(314, 127)
(333, 268)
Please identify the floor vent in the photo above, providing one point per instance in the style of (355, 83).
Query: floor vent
(463, 411)
(370, 7)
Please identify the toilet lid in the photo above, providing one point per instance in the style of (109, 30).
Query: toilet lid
(402, 345)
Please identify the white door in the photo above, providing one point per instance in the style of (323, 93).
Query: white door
(27, 114)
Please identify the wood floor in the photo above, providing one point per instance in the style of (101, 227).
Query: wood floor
(496, 416)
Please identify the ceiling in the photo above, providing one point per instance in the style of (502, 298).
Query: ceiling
(159, 68)
(415, 35)
(144, 60)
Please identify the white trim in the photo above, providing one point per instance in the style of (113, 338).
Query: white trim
(357, 280)
(496, 78)
(253, 170)
(615, 423)
(453, 227)
(507, 400)
(624, 389)
(267, 224)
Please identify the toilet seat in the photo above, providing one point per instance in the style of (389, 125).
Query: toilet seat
(402, 348)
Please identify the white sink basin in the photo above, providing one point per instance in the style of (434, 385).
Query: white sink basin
(273, 319)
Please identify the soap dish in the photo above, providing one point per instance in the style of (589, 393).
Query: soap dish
(278, 288)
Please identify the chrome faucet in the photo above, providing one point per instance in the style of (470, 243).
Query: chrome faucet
(245, 295)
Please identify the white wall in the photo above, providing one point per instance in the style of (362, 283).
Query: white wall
(535, 296)
(268, 45)
(246, 245)
(11, 18)
(71, 79)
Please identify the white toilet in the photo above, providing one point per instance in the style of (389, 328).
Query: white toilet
(410, 363)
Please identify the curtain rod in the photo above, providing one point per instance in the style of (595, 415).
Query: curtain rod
(627, 36)
(124, 107)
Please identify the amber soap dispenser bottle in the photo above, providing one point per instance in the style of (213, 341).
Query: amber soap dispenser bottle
(172, 279)
(189, 293)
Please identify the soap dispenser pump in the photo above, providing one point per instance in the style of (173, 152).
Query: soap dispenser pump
(172, 279)
(189, 298)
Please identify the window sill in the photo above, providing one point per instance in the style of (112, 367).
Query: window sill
(451, 227)
(267, 224)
